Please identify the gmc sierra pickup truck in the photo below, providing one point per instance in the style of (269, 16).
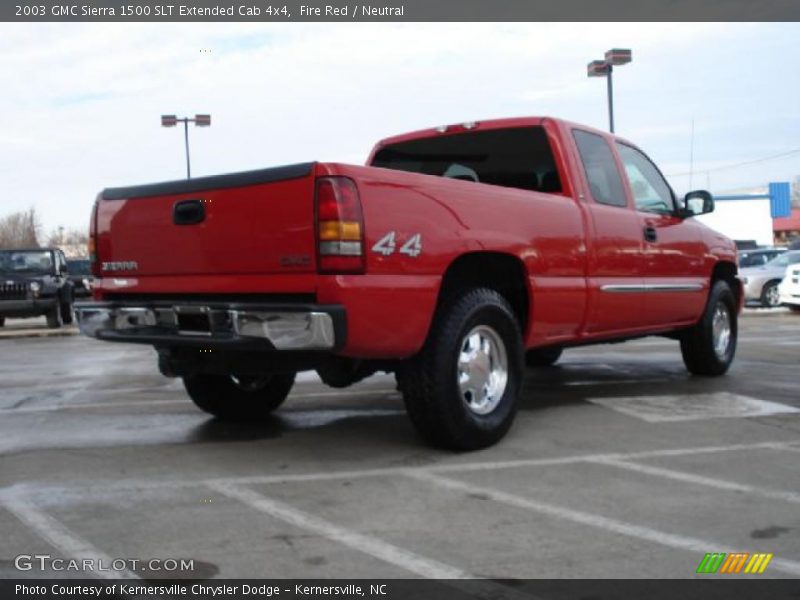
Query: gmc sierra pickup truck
(454, 258)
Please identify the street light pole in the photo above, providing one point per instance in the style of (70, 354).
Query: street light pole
(609, 79)
(605, 68)
(198, 120)
(186, 139)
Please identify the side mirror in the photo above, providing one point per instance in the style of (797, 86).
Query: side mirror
(62, 270)
(697, 202)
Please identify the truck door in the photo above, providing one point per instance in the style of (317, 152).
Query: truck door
(615, 270)
(674, 251)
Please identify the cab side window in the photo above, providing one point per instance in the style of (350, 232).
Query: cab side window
(600, 167)
(651, 192)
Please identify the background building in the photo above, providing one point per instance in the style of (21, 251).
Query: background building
(750, 215)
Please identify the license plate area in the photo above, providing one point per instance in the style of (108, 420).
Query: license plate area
(193, 320)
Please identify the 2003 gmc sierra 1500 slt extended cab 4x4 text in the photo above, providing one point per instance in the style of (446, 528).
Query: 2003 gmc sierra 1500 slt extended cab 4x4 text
(455, 257)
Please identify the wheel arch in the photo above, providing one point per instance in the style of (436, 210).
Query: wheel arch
(505, 273)
(729, 272)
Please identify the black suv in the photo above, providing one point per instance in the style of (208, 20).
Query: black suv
(80, 274)
(33, 282)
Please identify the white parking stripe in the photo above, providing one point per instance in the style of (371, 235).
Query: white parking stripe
(720, 484)
(565, 460)
(55, 533)
(647, 534)
(366, 544)
(494, 465)
(92, 405)
(138, 484)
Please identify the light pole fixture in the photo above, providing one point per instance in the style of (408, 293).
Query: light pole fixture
(604, 68)
(198, 120)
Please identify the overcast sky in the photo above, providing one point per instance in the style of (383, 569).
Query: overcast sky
(80, 103)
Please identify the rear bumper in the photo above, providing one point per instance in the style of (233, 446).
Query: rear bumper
(216, 325)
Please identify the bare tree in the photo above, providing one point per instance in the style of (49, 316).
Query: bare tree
(20, 230)
(72, 241)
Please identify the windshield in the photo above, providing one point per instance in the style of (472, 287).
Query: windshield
(784, 260)
(79, 267)
(26, 261)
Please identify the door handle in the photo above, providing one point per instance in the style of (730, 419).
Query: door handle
(650, 234)
(188, 212)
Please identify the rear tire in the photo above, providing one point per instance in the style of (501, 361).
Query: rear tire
(795, 308)
(54, 320)
(543, 357)
(2, 321)
(461, 390)
(242, 399)
(769, 295)
(708, 348)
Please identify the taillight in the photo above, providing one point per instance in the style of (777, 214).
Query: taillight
(94, 260)
(340, 226)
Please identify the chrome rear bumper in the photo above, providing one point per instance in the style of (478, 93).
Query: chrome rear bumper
(284, 328)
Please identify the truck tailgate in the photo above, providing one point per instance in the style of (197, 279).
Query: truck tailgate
(253, 222)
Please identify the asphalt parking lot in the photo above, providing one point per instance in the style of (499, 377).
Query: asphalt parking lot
(620, 465)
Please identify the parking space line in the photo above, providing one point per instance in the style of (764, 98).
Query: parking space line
(720, 484)
(58, 535)
(186, 401)
(596, 382)
(139, 484)
(86, 406)
(565, 460)
(363, 543)
(646, 534)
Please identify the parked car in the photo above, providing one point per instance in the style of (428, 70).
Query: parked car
(761, 283)
(34, 282)
(789, 288)
(758, 257)
(454, 256)
(80, 274)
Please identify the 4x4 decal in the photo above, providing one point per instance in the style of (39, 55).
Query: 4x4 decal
(388, 244)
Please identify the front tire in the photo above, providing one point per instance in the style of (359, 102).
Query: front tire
(239, 399)
(2, 321)
(770, 296)
(66, 312)
(461, 390)
(708, 348)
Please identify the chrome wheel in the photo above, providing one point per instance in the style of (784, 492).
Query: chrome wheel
(721, 331)
(482, 369)
(772, 296)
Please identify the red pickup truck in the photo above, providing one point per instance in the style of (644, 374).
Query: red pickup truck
(454, 258)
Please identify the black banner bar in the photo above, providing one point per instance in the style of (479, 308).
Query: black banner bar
(282, 11)
(705, 588)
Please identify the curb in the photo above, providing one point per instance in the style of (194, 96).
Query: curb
(37, 333)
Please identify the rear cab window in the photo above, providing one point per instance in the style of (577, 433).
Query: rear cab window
(600, 168)
(518, 157)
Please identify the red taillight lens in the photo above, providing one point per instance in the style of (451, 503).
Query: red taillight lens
(339, 227)
(94, 260)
